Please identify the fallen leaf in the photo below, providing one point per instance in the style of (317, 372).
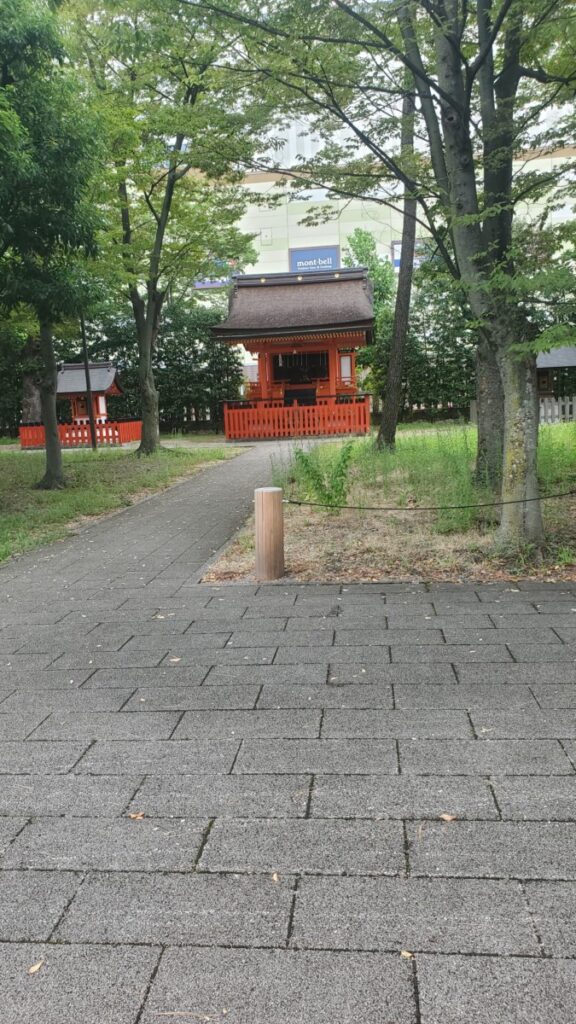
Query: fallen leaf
(175, 659)
(35, 967)
(406, 954)
(275, 877)
(136, 815)
(448, 817)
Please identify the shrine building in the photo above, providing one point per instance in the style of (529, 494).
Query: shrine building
(305, 330)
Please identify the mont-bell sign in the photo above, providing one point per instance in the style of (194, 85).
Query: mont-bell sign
(306, 261)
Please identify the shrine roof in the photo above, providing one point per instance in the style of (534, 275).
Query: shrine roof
(264, 305)
(103, 379)
(557, 358)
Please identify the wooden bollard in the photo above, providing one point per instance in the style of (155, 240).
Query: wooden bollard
(269, 533)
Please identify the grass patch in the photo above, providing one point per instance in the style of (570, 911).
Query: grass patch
(432, 468)
(98, 482)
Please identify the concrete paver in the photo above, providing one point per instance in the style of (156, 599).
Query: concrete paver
(299, 804)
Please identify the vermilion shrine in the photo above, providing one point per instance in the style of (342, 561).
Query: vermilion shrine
(305, 330)
(72, 386)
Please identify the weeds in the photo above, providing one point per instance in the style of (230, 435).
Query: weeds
(322, 475)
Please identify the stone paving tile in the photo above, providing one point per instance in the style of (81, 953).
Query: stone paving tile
(551, 674)
(23, 757)
(189, 642)
(248, 627)
(101, 725)
(193, 698)
(545, 799)
(84, 645)
(497, 849)
(396, 724)
(299, 675)
(285, 987)
(555, 696)
(401, 796)
(224, 796)
(24, 662)
(147, 627)
(228, 724)
(47, 679)
(408, 674)
(524, 724)
(464, 620)
(159, 757)
(456, 635)
(169, 675)
(65, 700)
(494, 607)
(32, 902)
(239, 638)
(452, 653)
(360, 696)
(553, 905)
(527, 621)
(334, 655)
(326, 847)
(17, 726)
(112, 659)
(472, 757)
(107, 844)
(79, 795)
(75, 985)
(565, 606)
(417, 914)
(484, 990)
(533, 653)
(4, 695)
(242, 656)
(382, 637)
(175, 908)
(325, 757)
(482, 695)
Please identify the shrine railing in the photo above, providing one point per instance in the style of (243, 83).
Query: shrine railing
(77, 435)
(264, 419)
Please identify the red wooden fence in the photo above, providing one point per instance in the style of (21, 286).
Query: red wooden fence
(244, 420)
(77, 435)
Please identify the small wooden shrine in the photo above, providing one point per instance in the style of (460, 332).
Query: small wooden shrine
(76, 433)
(305, 330)
(72, 385)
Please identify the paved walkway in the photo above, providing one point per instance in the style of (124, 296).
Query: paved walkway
(279, 805)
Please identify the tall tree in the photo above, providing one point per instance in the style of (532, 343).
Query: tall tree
(46, 217)
(180, 125)
(393, 391)
(484, 77)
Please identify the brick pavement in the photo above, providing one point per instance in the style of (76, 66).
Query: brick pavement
(225, 803)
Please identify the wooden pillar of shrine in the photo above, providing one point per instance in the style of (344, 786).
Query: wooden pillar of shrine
(264, 373)
(332, 369)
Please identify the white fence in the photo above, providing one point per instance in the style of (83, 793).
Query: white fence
(558, 410)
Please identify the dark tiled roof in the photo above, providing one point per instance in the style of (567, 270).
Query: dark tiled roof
(284, 304)
(72, 378)
(556, 358)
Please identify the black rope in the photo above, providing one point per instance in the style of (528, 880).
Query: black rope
(429, 508)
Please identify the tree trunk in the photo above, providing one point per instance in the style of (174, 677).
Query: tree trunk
(520, 522)
(31, 402)
(392, 398)
(490, 405)
(53, 478)
(149, 398)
